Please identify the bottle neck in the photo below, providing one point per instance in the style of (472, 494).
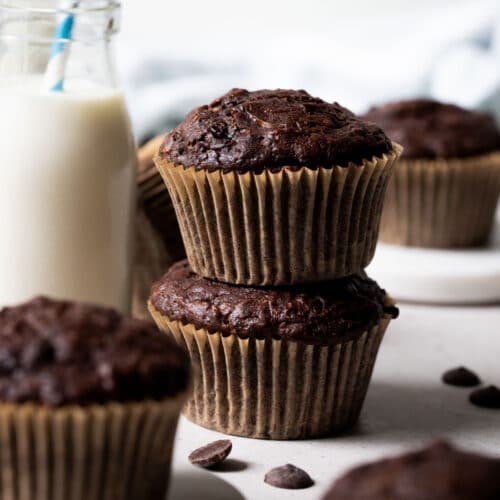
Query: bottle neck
(29, 32)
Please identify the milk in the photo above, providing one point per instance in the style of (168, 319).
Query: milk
(67, 177)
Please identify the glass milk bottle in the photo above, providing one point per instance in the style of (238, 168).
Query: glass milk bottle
(67, 157)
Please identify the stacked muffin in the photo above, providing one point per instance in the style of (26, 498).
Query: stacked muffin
(158, 242)
(278, 196)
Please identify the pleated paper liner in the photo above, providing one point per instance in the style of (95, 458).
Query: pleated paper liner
(155, 200)
(145, 154)
(284, 227)
(111, 452)
(158, 242)
(274, 389)
(442, 203)
(149, 182)
(152, 258)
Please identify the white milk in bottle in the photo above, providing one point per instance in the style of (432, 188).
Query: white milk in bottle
(67, 177)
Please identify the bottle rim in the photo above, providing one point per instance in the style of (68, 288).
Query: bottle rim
(105, 6)
(108, 10)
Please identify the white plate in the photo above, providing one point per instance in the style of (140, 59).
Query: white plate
(440, 276)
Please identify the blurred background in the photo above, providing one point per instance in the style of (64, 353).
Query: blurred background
(176, 55)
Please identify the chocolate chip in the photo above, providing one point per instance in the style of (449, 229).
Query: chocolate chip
(461, 377)
(486, 397)
(211, 454)
(218, 129)
(288, 476)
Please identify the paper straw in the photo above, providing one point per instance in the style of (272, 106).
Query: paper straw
(54, 74)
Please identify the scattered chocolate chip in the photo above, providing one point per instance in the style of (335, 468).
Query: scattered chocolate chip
(211, 454)
(461, 377)
(486, 397)
(288, 476)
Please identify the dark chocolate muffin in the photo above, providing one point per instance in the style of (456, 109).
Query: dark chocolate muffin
(158, 242)
(432, 129)
(277, 363)
(439, 472)
(276, 187)
(271, 129)
(57, 353)
(154, 199)
(86, 393)
(445, 189)
(320, 313)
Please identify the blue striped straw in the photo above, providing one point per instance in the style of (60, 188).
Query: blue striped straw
(54, 74)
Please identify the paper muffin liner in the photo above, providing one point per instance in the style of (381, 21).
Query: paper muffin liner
(110, 452)
(275, 389)
(158, 242)
(276, 228)
(154, 199)
(150, 261)
(442, 203)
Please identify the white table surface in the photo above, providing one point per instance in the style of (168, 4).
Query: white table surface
(407, 405)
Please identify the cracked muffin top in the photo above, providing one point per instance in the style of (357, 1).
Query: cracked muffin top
(320, 313)
(56, 353)
(271, 129)
(430, 129)
(439, 472)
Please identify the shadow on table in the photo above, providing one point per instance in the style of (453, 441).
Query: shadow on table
(230, 465)
(198, 483)
(395, 410)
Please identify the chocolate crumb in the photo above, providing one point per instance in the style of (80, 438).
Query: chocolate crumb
(486, 397)
(211, 454)
(461, 377)
(289, 477)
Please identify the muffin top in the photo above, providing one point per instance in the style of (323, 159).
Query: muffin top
(431, 129)
(271, 129)
(57, 353)
(439, 472)
(320, 313)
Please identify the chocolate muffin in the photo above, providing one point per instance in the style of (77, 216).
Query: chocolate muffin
(158, 242)
(445, 189)
(86, 393)
(276, 187)
(439, 472)
(279, 363)
(433, 130)
(155, 200)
